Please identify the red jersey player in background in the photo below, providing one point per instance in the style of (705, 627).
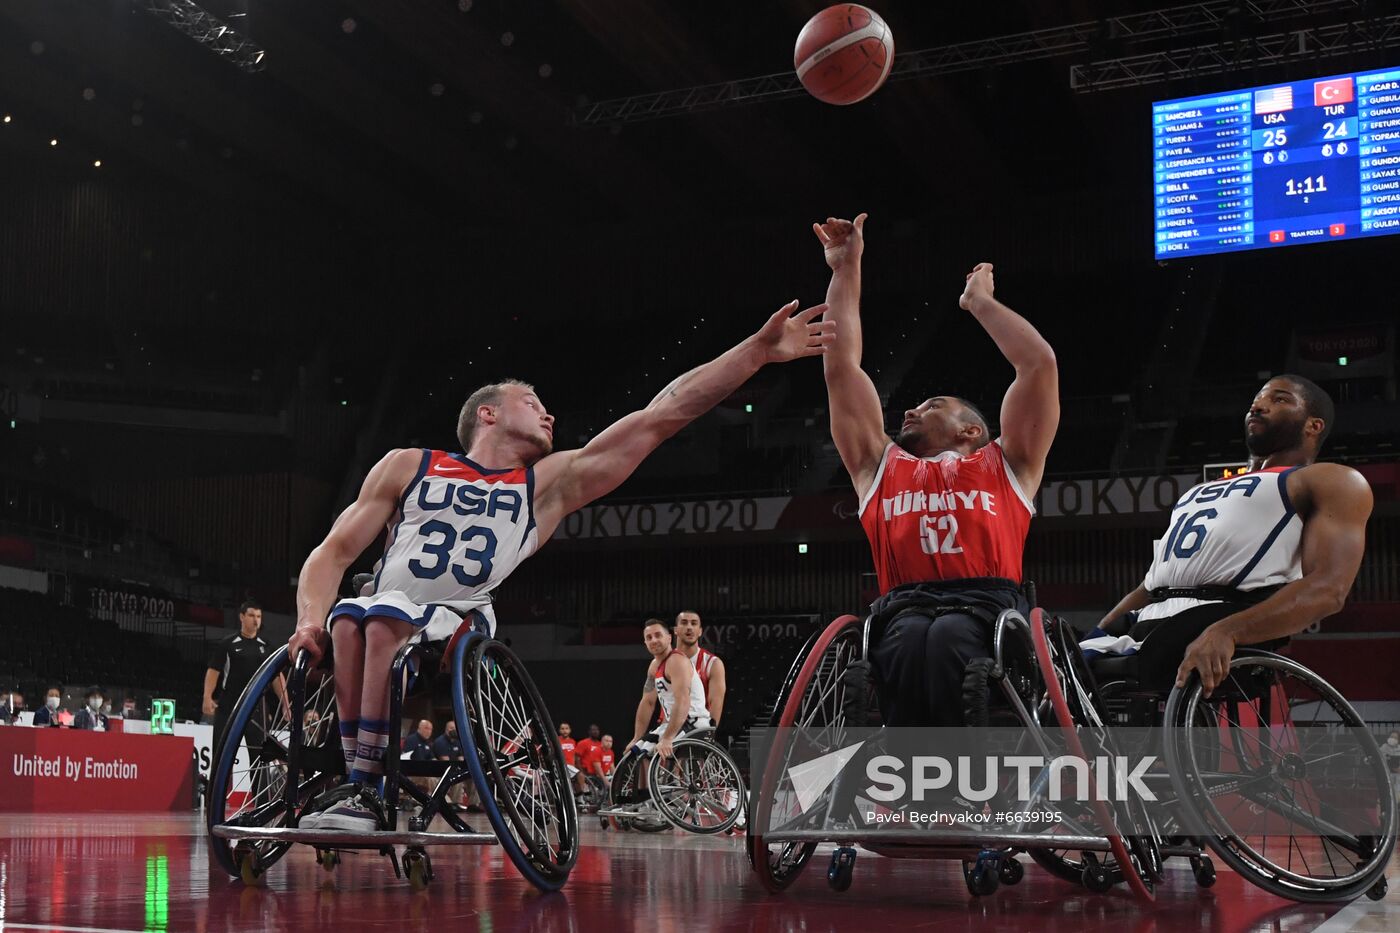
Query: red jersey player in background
(707, 664)
(946, 507)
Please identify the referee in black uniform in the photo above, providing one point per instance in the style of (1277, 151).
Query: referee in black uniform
(232, 664)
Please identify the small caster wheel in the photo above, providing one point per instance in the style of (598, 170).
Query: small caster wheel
(328, 858)
(1011, 871)
(604, 822)
(249, 865)
(843, 866)
(418, 867)
(1204, 870)
(1377, 891)
(981, 877)
(1095, 876)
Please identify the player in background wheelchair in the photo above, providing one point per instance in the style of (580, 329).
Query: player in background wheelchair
(675, 774)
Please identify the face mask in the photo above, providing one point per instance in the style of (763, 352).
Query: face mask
(51, 702)
(94, 704)
(106, 709)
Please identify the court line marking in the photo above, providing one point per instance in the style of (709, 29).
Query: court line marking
(1347, 918)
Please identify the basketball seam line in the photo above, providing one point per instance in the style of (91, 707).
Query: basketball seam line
(872, 30)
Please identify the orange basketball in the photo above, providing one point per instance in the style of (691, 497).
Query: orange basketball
(844, 54)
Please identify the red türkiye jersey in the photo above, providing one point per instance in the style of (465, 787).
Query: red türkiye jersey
(945, 517)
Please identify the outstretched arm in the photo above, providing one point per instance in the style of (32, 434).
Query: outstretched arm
(1030, 412)
(573, 478)
(353, 531)
(1339, 502)
(857, 420)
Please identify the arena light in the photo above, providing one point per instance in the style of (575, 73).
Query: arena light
(802, 548)
(53, 142)
(7, 118)
(96, 163)
(1341, 361)
(748, 409)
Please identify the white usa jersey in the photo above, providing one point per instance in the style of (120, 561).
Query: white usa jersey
(1242, 533)
(696, 709)
(460, 530)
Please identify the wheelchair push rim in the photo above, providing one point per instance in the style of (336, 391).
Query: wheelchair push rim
(779, 865)
(1060, 706)
(1275, 747)
(493, 696)
(268, 800)
(699, 789)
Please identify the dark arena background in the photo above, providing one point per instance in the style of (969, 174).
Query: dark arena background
(249, 246)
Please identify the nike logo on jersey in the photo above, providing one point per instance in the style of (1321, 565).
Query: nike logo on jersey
(447, 469)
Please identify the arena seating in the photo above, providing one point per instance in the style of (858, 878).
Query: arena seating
(45, 643)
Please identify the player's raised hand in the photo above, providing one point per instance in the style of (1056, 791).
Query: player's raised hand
(842, 240)
(980, 286)
(788, 336)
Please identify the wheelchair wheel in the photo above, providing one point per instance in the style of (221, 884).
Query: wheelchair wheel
(1281, 777)
(817, 702)
(625, 790)
(699, 789)
(1140, 867)
(268, 765)
(509, 744)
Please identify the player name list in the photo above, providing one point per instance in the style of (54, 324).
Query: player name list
(1378, 121)
(1204, 173)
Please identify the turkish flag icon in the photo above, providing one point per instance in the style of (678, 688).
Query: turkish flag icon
(1275, 236)
(1336, 91)
(1337, 230)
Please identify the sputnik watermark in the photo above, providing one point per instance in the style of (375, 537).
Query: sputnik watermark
(1116, 778)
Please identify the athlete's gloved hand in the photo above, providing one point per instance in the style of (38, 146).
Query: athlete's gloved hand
(843, 241)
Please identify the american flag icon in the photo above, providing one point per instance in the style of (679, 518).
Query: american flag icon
(1274, 100)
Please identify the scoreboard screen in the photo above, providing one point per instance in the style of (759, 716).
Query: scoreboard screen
(1277, 165)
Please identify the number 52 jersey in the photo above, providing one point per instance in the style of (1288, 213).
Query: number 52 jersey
(459, 531)
(1241, 532)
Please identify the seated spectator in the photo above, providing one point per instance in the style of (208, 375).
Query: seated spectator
(48, 714)
(129, 708)
(603, 758)
(11, 705)
(91, 717)
(448, 746)
(419, 745)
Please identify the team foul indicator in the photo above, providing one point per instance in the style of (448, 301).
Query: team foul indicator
(844, 54)
(1305, 162)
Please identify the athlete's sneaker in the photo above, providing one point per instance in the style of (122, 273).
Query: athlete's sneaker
(349, 808)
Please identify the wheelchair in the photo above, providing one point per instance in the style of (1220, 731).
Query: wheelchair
(698, 789)
(1244, 776)
(275, 758)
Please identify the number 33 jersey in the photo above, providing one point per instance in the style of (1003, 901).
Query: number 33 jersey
(945, 518)
(1241, 532)
(460, 530)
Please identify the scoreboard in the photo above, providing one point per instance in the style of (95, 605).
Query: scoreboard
(1277, 165)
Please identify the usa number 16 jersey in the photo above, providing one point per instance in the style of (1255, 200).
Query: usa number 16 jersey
(460, 530)
(1241, 532)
